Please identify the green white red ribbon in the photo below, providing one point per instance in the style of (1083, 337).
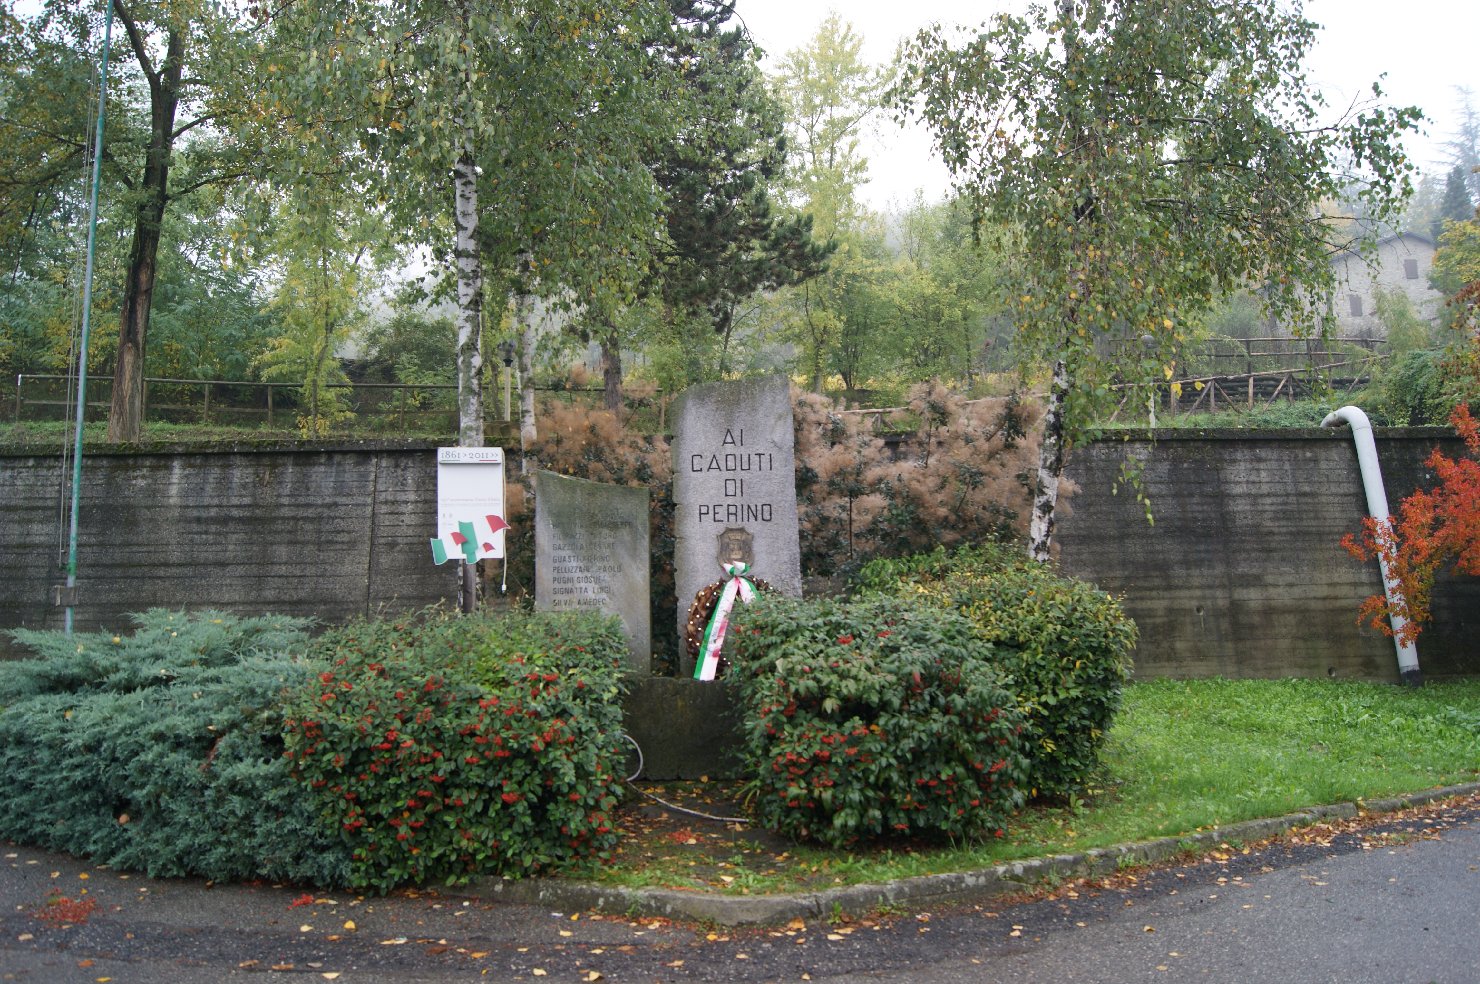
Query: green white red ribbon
(719, 622)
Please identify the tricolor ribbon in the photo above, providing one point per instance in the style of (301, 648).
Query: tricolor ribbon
(719, 622)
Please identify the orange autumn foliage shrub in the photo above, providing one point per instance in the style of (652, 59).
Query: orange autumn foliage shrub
(1434, 528)
(962, 474)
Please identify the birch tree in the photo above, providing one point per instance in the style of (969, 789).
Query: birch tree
(495, 132)
(1147, 156)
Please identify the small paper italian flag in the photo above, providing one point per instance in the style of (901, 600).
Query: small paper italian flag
(466, 540)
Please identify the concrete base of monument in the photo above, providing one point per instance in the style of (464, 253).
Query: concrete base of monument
(686, 729)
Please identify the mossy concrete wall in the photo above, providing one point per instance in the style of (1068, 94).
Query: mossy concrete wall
(1240, 573)
(327, 530)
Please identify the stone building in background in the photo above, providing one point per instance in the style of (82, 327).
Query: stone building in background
(1402, 264)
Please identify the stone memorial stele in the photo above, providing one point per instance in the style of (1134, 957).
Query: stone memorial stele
(591, 554)
(734, 487)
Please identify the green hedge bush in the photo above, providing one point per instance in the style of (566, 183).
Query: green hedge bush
(443, 747)
(1064, 645)
(162, 750)
(875, 719)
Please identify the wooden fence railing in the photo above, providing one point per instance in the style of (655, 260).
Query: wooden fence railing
(47, 396)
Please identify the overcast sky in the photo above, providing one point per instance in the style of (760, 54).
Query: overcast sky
(1425, 47)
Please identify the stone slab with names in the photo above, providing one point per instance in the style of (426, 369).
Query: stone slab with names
(734, 487)
(591, 554)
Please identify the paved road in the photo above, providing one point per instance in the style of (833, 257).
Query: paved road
(1394, 902)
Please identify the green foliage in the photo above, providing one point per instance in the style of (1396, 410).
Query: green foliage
(1063, 645)
(326, 272)
(829, 94)
(1457, 263)
(439, 748)
(1279, 415)
(161, 751)
(955, 308)
(208, 320)
(45, 69)
(1140, 126)
(1147, 159)
(1236, 316)
(1455, 204)
(174, 98)
(869, 720)
(410, 347)
(1412, 391)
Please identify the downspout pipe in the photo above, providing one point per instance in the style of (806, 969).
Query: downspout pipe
(1377, 507)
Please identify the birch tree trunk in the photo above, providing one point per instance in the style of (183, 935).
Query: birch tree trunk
(1051, 451)
(469, 301)
(1050, 466)
(524, 318)
(469, 263)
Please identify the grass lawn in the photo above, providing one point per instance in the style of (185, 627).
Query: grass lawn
(1182, 756)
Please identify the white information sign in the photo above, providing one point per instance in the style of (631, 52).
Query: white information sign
(470, 504)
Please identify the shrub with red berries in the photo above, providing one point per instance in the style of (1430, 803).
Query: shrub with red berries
(441, 748)
(872, 720)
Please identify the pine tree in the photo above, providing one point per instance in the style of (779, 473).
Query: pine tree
(725, 238)
(1456, 205)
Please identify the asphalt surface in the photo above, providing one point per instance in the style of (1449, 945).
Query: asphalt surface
(1390, 898)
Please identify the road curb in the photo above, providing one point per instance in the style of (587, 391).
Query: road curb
(987, 883)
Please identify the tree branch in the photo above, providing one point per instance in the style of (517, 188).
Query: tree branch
(137, 42)
(206, 118)
(207, 181)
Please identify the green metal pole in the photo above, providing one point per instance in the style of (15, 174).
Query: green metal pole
(92, 242)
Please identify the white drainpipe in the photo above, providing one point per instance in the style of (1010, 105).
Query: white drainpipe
(1378, 507)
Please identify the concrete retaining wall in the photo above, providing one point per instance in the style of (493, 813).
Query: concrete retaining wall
(331, 531)
(1240, 575)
